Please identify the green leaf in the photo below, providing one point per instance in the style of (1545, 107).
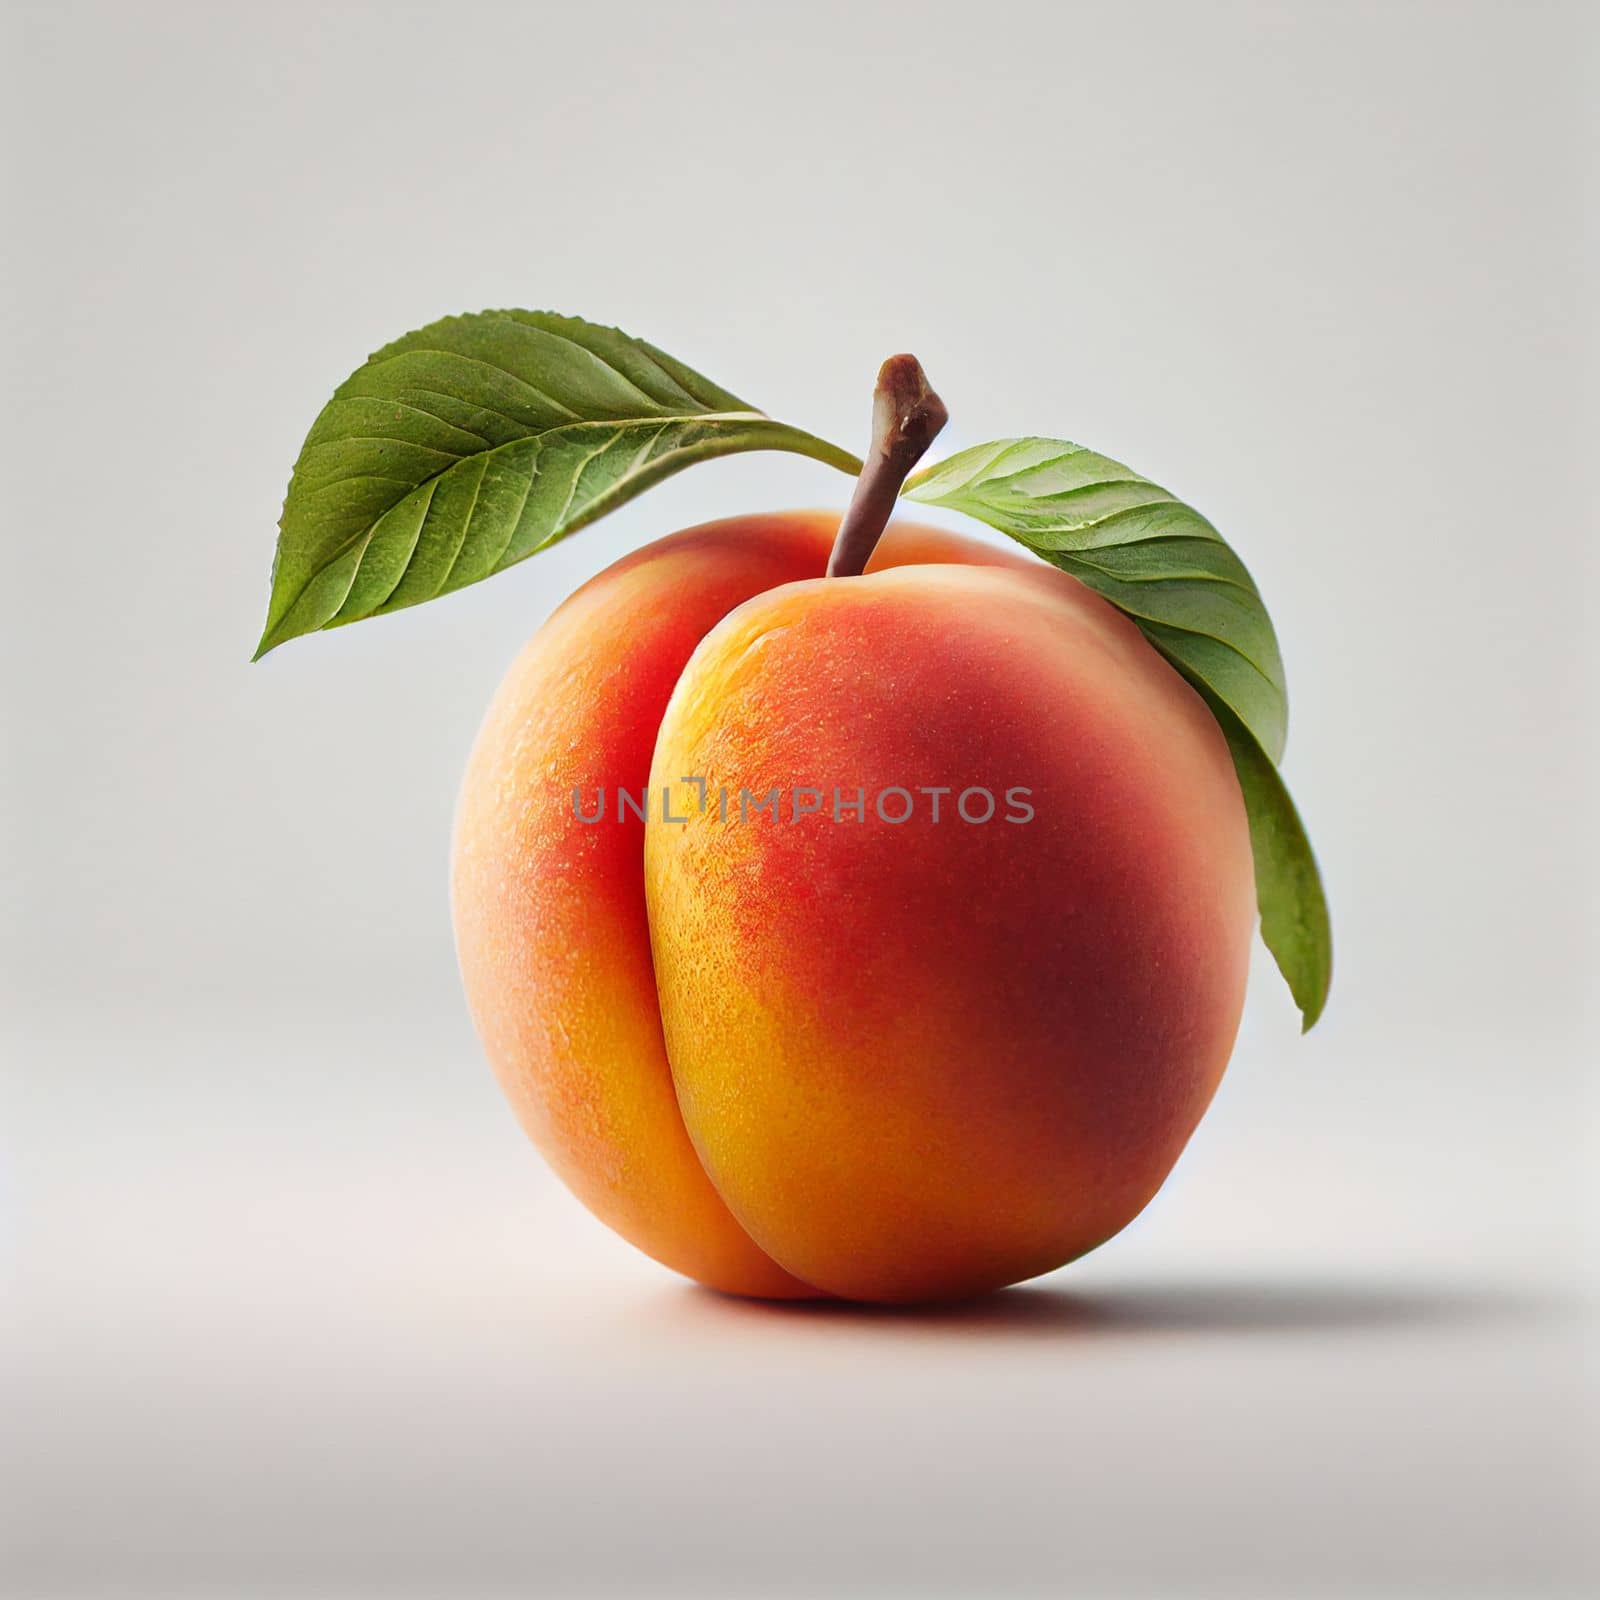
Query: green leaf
(466, 446)
(1148, 553)
(1162, 564)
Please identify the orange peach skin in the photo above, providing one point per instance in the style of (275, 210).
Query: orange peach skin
(925, 1059)
(550, 918)
(554, 937)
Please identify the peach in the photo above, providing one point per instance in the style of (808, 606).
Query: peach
(891, 1060)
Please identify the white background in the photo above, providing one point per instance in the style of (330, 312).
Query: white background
(288, 1304)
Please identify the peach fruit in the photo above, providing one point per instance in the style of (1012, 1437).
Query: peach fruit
(889, 1060)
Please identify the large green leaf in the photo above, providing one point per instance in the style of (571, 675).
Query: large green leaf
(1160, 562)
(468, 445)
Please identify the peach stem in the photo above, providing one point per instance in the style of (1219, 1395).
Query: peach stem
(906, 418)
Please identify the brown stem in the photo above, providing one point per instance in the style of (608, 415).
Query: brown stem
(906, 418)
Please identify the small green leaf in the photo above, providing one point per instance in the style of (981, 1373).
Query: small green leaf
(1163, 565)
(466, 446)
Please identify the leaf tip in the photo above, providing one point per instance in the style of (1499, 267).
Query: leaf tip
(272, 635)
(1314, 1004)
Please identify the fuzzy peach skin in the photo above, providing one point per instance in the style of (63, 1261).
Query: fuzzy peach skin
(926, 1059)
(550, 917)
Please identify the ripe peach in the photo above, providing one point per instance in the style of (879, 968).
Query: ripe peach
(890, 1060)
